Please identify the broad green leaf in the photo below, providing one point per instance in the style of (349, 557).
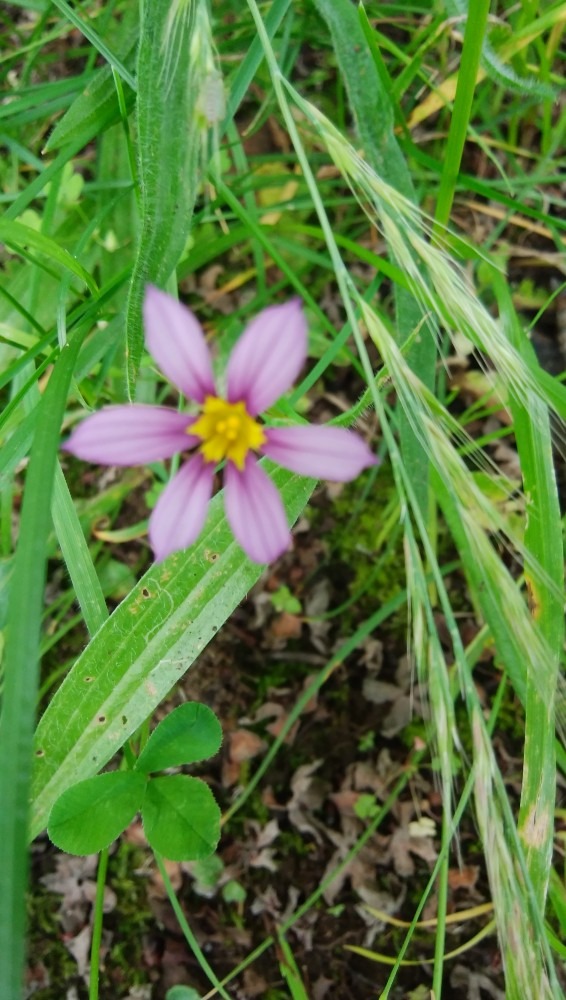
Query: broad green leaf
(143, 649)
(181, 819)
(189, 733)
(92, 813)
(16, 235)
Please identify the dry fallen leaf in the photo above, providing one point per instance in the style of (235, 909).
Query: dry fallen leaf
(74, 880)
(243, 745)
(463, 878)
(79, 947)
(473, 985)
(402, 846)
(286, 626)
(321, 988)
(254, 985)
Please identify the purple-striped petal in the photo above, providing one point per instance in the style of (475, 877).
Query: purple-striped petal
(255, 512)
(321, 452)
(268, 356)
(131, 435)
(175, 339)
(180, 512)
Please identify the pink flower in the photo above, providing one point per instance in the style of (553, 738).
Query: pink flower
(264, 363)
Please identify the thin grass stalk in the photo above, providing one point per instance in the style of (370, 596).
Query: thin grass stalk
(476, 23)
(98, 915)
(433, 878)
(188, 932)
(96, 41)
(124, 118)
(342, 277)
(433, 676)
(440, 704)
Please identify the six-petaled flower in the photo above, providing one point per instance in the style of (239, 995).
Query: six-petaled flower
(264, 363)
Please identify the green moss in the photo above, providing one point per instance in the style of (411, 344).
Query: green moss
(46, 947)
(124, 965)
(291, 842)
(280, 673)
(364, 540)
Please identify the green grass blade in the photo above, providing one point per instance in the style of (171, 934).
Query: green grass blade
(290, 971)
(96, 41)
(36, 186)
(93, 111)
(544, 574)
(187, 929)
(17, 235)
(77, 556)
(248, 69)
(374, 115)
(369, 99)
(471, 54)
(21, 657)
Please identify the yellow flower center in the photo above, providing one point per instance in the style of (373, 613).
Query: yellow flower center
(227, 431)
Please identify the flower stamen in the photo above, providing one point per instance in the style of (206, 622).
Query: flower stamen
(227, 431)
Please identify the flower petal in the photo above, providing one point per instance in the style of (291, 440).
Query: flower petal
(321, 452)
(131, 435)
(268, 356)
(180, 512)
(175, 339)
(255, 512)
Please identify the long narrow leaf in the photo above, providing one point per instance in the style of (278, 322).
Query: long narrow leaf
(544, 574)
(168, 142)
(77, 556)
(17, 235)
(21, 680)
